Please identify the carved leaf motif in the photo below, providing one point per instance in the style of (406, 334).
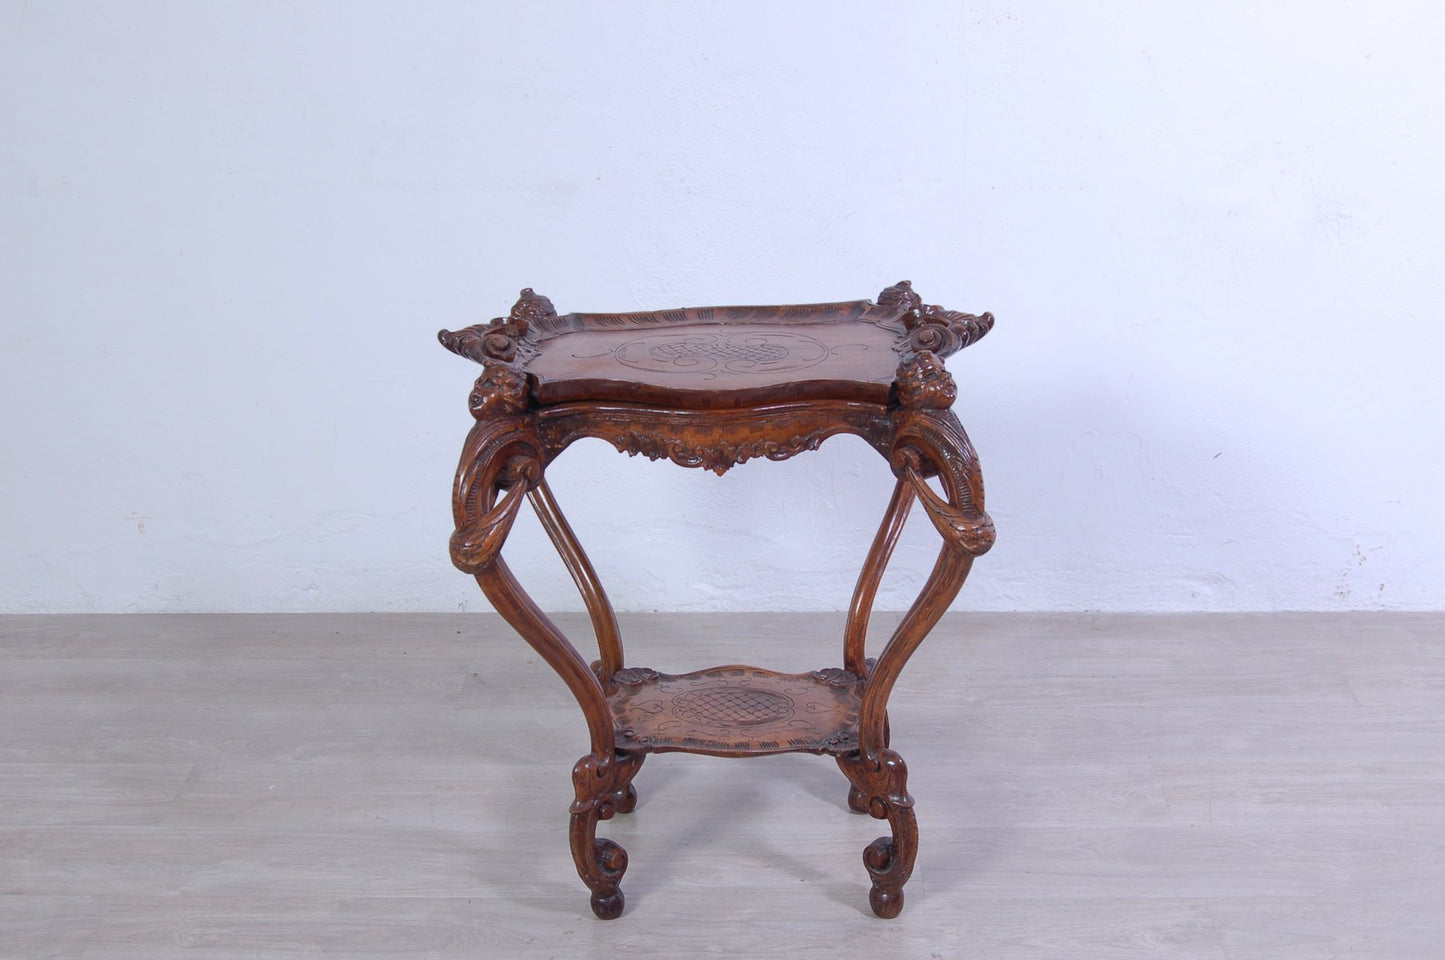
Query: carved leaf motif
(972, 531)
(634, 676)
(943, 332)
(882, 778)
(718, 456)
(900, 292)
(931, 328)
(835, 677)
(503, 339)
(475, 546)
(595, 779)
(531, 308)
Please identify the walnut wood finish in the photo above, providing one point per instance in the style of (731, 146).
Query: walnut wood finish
(737, 711)
(713, 387)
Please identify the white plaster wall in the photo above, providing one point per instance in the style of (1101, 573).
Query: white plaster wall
(1211, 234)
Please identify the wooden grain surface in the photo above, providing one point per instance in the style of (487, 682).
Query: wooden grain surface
(1223, 787)
(713, 357)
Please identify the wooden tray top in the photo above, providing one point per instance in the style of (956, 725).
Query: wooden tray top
(712, 357)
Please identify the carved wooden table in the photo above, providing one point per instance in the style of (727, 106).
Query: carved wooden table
(713, 387)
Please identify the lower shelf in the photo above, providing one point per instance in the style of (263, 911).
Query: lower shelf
(736, 711)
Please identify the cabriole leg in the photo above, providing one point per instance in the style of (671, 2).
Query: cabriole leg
(500, 465)
(927, 442)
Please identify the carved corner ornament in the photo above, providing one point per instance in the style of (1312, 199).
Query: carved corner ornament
(501, 389)
(924, 383)
(930, 333)
(500, 346)
(506, 339)
(929, 327)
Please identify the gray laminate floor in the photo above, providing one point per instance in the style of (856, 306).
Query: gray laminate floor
(1267, 786)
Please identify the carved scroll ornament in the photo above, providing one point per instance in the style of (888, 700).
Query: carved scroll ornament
(502, 339)
(929, 327)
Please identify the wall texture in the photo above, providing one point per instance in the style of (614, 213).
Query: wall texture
(228, 232)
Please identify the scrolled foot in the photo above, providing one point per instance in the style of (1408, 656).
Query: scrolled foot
(886, 899)
(611, 863)
(608, 906)
(880, 789)
(878, 855)
(612, 859)
(603, 789)
(886, 903)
